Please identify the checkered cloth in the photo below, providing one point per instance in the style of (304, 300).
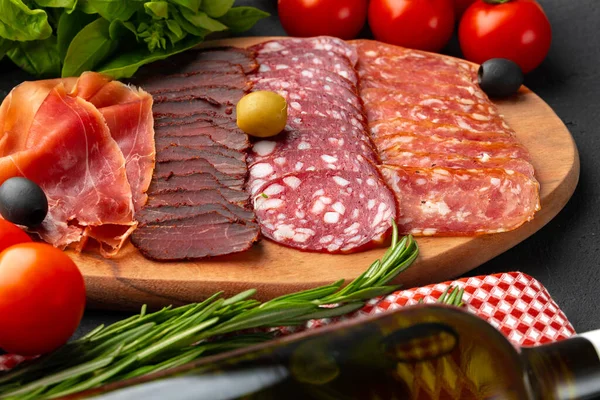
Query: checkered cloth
(514, 303)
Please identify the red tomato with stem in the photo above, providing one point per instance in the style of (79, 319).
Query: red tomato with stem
(515, 29)
(418, 24)
(42, 298)
(339, 18)
(10, 234)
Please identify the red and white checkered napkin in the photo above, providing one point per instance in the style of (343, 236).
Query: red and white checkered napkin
(515, 303)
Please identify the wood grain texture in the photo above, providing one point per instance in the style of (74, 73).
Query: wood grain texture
(129, 280)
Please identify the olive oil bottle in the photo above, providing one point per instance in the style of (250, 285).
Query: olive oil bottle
(420, 352)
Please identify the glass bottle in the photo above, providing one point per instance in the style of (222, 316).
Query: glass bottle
(419, 352)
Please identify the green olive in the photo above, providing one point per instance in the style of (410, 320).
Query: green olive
(262, 113)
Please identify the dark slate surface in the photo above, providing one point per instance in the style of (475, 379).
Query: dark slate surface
(564, 255)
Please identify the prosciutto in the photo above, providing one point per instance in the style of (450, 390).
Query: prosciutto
(89, 143)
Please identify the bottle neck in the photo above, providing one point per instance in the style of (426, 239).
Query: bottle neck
(569, 369)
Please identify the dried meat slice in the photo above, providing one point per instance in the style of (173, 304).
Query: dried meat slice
(227, 164)
(215, 235)
(432, 160)
(174, 109)
(197, 181)
(199, 60)
(156, 215)
(307, 77)
(213, 94)
(183, 197)
(326, 211)
(326, 43)
(460, 93)
(231, 138)
(175, 83)
(455, 202)
(167, 170)
(338, 65)
(272, 167)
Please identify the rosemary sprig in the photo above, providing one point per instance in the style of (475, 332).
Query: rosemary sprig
(150, 342)
(452, 296)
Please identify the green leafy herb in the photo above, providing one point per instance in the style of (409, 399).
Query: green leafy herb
(89, 48)
(151, 342)
(110, 35)
(38, 57)
(20, 23)
(452, 296)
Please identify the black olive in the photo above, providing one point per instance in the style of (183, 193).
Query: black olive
(500, 77)
(23, 202)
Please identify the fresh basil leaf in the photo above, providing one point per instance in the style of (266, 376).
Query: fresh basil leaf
(115, 9)
(157, 9)
(193, 5)
(119, 29)
(19, 23)
(216, 8)
(201, 20)
(240, 19)
(68, 26)
(89, 47)
(38, 57)
(126, 64)
(68, 4)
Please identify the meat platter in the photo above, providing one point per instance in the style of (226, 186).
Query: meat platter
(129, 279)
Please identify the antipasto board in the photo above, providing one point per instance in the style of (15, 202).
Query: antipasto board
(129, 280)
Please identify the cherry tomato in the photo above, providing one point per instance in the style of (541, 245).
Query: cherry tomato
(460, 6)
(517, 30)
(42, 298)
(10, 234)
(418, 24)
(339, 18)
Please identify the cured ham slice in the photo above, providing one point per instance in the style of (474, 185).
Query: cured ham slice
(35, 108)
(70, 153)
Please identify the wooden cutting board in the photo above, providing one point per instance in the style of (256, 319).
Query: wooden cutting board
(130, 280)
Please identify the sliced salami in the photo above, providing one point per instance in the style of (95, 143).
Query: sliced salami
(339, 65)
(376, 95)
(417, 76)
(326, 211)
(306, 77)
(326, 43)
(380, 130)
(465, 93)
(435, 144)
(309, 140)
(474, 122)
(272, 167)
(433, 160)
(320, 108)
(453, 202)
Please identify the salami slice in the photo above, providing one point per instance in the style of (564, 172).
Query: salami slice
(453, 202)
(312, 76)
(326, 211)
(417, 76)
(326, 43)
(474, 122)
(340, 66)
(433, 160)
(460, 92)
(376, 56)
(381, 130)
(271, 167)
(435, 144)
(376, 95)
(309, 140)
(302, 95)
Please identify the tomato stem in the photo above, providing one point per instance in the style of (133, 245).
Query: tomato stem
(496, 1)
